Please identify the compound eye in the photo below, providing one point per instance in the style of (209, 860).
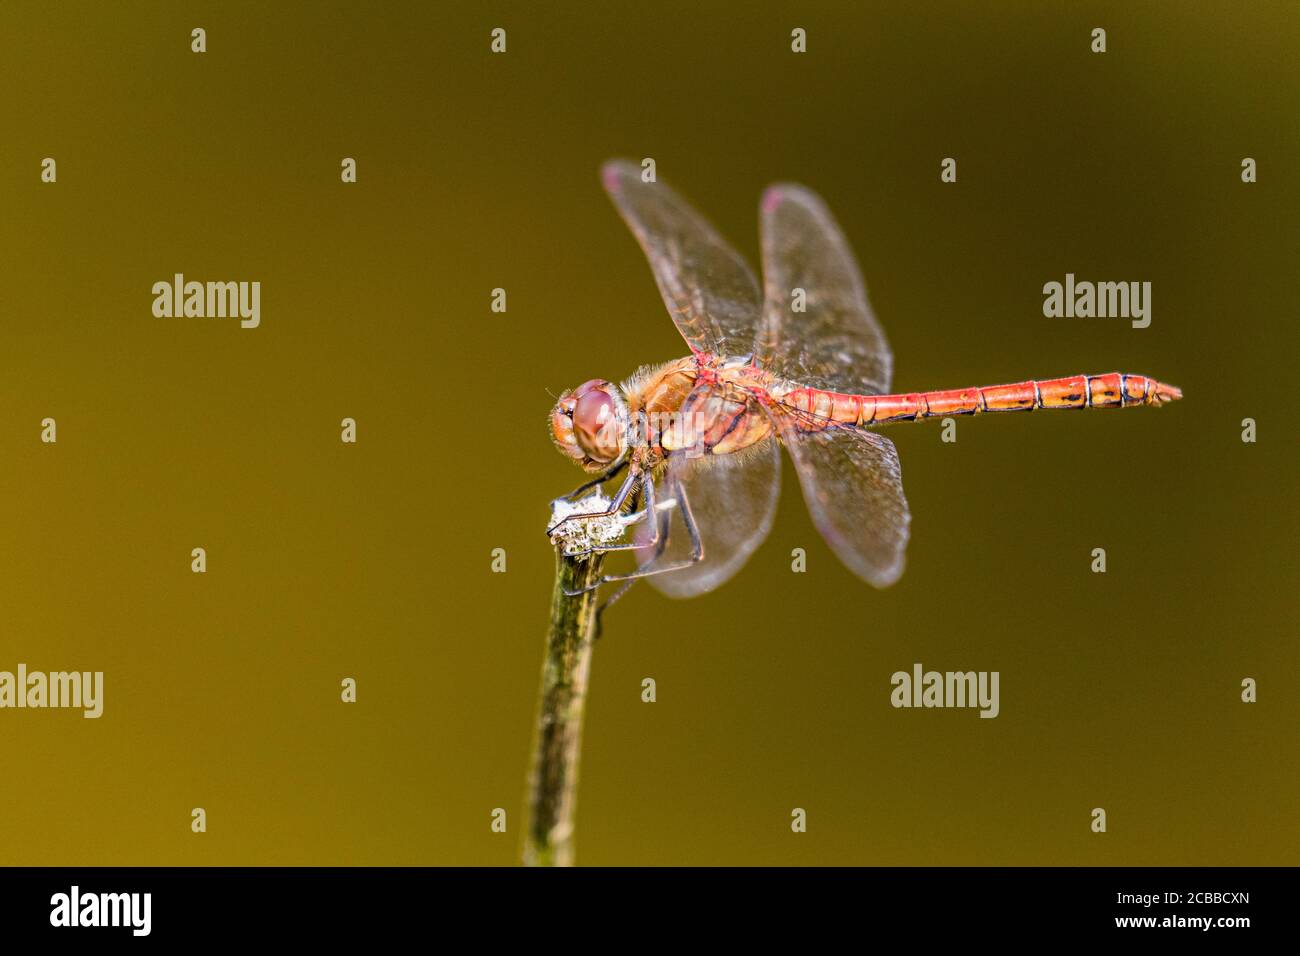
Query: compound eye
(591, 414)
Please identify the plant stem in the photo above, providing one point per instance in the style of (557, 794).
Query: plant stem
(553, 780)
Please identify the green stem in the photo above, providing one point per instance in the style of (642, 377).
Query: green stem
(553, 780)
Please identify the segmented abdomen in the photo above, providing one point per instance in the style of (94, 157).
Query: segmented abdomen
(1113, 390)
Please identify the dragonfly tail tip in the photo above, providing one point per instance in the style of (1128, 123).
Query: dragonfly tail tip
(1167, 393)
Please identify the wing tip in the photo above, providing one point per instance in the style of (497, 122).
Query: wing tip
(613, 171)
(772, 197)
(778, 193)
(878, 574)
(888, 577)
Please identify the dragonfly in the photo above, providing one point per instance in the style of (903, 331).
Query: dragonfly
(801, 363)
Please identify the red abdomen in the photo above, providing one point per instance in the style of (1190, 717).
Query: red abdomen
(1113, 390)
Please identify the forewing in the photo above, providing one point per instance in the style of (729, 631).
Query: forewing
(733, 498)
(853, 485)
(710, 291)
(836, 342)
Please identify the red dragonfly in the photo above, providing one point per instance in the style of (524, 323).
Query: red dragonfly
(801, 363)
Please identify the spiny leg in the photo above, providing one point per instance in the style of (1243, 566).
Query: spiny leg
(598, 480)
(650, 509)
(692, 529)
(624, 490)
(661, 544)
(600, 611)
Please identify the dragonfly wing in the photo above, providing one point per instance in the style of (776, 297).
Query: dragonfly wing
(710, 291)
(835, 342)
(854, 489)
(733, 499)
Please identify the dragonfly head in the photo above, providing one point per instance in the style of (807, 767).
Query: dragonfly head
(589, 425)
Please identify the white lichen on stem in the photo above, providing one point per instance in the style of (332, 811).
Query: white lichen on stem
(582, 534)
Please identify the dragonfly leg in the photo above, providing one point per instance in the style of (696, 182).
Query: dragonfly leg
(657, 539)
(600, 611)
(692, 530)
(660, 541)
(615, 506)
(598, 480)
(697, 546)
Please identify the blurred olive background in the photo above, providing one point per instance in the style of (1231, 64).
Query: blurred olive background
(373, 561)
